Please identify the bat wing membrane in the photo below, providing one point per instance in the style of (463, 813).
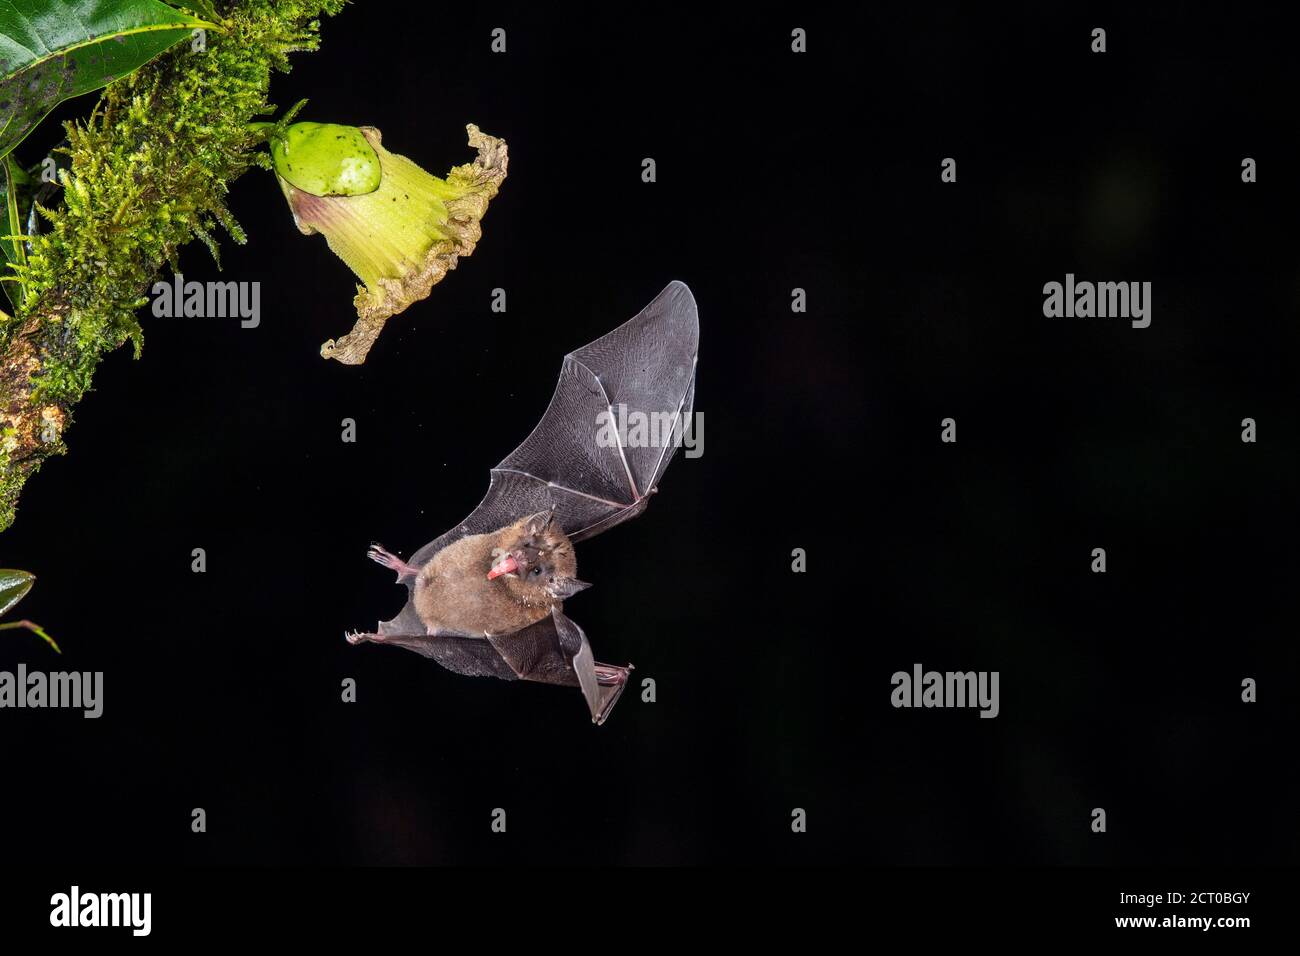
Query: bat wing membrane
(577, 461)
(552, 651)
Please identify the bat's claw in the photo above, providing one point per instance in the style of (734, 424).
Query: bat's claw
(381, 555)
(612, 673)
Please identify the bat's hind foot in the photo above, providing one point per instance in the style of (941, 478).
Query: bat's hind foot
(381, 555)
(609, 674)
(360, 637)
(612, 679)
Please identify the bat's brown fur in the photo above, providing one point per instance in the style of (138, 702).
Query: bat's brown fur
(453, 593)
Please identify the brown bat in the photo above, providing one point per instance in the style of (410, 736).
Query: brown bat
(486, 598)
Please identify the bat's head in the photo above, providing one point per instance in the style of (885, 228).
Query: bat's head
(535, 559)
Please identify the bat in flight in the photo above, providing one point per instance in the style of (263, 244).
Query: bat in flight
(487, 598)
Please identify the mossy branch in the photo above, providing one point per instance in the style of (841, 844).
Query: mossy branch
(148, 172)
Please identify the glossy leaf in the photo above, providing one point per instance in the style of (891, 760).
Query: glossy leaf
(51, 50)
(14, 586)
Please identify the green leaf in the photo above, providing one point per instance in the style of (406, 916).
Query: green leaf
(16, 200)
(14, 586)
(51, 50)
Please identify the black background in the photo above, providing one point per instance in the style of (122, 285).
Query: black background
(775, 171)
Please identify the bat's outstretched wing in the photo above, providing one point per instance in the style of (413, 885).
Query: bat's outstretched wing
(555, 651)
(578, 462)
(460, 653)
(552, 651)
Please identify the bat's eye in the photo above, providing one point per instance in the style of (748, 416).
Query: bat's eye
(536, 571)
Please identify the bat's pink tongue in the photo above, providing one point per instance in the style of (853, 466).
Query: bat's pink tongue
(506, 566)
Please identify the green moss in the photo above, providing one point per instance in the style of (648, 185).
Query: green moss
(149, 171)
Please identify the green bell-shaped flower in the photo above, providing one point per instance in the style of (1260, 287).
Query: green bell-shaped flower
(399, 228)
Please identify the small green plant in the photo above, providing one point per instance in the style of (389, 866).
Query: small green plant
(145, 173)
(85, 238)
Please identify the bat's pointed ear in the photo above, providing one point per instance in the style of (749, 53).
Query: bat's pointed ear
(539, 522)
(565, 588)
